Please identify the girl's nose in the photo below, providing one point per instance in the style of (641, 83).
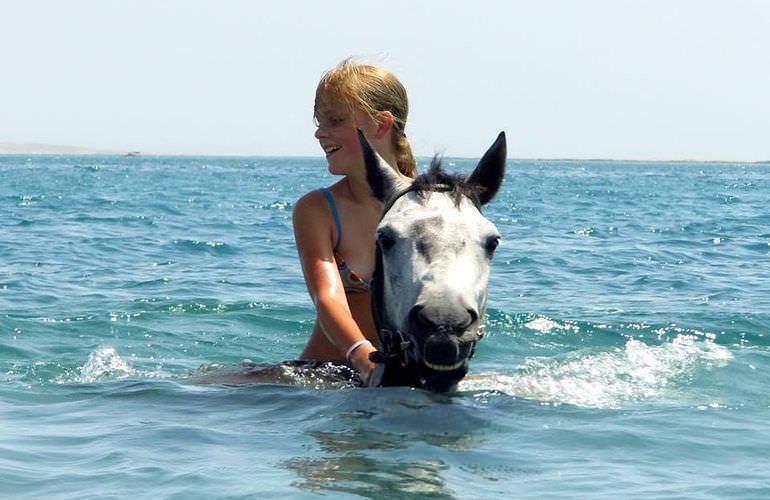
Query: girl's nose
(320, 132)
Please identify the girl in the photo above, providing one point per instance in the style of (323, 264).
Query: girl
(334, 227)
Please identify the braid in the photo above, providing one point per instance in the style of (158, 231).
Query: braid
(404, 156)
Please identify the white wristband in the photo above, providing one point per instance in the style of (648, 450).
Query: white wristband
(355, 346)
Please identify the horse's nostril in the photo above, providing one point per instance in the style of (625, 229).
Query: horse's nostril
(420, 317)
(443, 316)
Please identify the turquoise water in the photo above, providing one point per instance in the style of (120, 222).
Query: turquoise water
(627, 351)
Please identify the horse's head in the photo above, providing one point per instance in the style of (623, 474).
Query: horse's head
(433, 259)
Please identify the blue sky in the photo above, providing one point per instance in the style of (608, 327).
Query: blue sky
(581, 79)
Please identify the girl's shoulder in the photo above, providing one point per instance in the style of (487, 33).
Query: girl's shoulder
(314, 224)
(315, 206)
(309, 204)
(309, 198)
(319, 198)
(313, 199)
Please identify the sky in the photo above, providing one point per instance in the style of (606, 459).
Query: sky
(646, 79)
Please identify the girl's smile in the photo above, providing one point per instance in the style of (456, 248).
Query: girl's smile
(338, 138)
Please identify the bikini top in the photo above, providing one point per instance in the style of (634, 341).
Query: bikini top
(351, 282)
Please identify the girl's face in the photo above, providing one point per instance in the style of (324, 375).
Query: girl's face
(338, 137)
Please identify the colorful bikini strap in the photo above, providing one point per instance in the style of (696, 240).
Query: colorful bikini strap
(335, 214)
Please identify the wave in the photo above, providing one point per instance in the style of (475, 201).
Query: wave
(214, 247)
(607, 379)
(105, 364)
(636, 372)
(535, 329)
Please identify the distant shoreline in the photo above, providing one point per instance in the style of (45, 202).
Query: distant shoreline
(17, 148)
(34, 149)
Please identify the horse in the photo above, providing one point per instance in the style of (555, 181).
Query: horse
(429, 288)
(433, 256)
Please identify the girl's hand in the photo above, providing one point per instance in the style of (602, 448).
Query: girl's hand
(359, 358)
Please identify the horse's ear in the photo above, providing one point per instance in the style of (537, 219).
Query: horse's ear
(490, 171)
(383, 180)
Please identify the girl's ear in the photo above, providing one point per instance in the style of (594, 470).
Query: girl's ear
(384, 123)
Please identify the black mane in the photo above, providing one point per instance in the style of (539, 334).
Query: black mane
(456, 185)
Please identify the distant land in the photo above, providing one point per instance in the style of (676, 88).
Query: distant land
(29, 148)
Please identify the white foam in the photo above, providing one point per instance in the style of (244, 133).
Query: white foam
(546, 325)
(103, 363)
(607, 379)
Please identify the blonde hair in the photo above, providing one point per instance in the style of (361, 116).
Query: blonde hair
(353, 86)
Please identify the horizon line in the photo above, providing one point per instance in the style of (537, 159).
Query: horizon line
(8, 148)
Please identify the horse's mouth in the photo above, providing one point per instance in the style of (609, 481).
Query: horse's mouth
(444, 368)
(445, 359)
(443, 351)
(442, 377)
(441, 361)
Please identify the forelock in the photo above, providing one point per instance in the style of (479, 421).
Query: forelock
(455, 185)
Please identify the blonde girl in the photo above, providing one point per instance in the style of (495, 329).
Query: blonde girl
(334, 227)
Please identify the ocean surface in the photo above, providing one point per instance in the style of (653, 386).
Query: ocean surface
(627, 352)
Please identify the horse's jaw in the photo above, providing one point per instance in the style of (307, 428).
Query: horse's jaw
(441, 359)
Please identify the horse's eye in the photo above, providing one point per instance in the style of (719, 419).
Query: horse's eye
(491, 244)
(386, 239)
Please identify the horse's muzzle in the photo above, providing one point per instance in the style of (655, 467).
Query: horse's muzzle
(443, 347)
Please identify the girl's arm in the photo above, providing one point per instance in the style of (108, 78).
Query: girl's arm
(314, 235)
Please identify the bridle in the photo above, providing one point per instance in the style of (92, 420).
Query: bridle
(395, 346)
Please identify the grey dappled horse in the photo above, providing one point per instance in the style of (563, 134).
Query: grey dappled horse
(434, 250)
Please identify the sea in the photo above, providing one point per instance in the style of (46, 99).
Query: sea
(627, 347)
